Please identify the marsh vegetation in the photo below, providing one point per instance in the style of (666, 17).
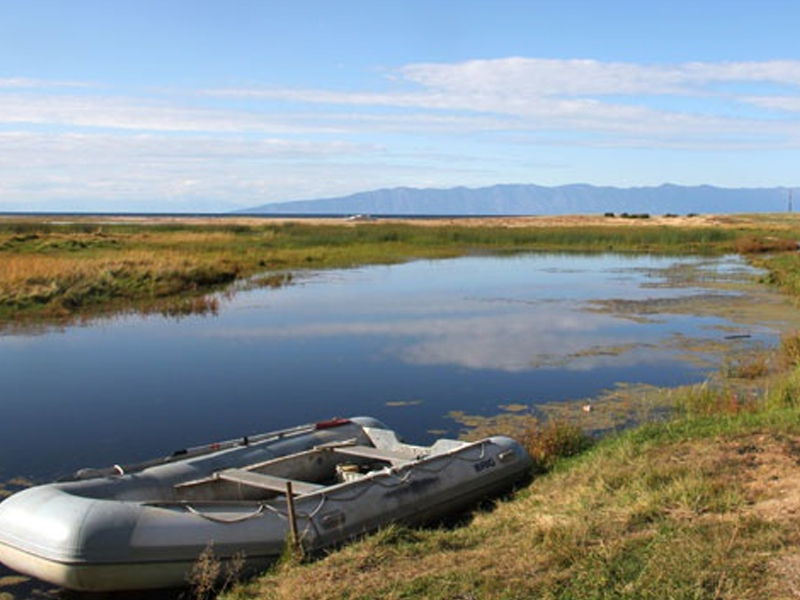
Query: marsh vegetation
(55, 270)
(698, 501)
(701, 505)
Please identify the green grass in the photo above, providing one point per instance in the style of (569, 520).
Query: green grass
(702, 505)
(61, 271)
(668, 510)
(698, 506)
(783, 272)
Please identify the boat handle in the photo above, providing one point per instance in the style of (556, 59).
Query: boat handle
(507, 456)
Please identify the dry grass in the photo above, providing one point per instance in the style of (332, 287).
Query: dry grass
(18, 271)
(704, 506)
(758, 245)
(684, 519)
(210, 575)
(62, 270)
(751, 365)
(25, 270)
(47, 283)
(790, 349)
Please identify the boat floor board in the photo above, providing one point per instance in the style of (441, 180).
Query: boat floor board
(374, 453)
(268, 482)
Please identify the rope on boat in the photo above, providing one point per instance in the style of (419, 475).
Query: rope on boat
(388, 479)
(310, 527)
(224, 521)
(442, 463)
(310, 515)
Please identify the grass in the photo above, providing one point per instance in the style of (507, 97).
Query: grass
(783, 272)
(58, 271)
(700, 507)
(630, 520)
(703, 505)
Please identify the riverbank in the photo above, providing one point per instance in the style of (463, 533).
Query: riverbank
(705, 505)
(665, 510)
(54, 270)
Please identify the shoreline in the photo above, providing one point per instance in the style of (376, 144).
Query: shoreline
(561, 220)
(62, 266)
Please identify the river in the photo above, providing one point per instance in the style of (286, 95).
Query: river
(408, 344)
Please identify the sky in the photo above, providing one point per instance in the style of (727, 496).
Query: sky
(214, 105)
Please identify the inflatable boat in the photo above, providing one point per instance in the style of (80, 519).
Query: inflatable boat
(144, 526)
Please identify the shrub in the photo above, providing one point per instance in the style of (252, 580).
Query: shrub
(790, 349)
(705, 400)
(751, 244)
(210, 577)
(785, 393)
(552, 440)
(205, 573)
(749, 366)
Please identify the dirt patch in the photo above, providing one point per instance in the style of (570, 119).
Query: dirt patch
(770, 468)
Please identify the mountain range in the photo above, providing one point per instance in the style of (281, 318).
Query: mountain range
(528, 199)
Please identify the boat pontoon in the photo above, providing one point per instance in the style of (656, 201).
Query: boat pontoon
(144, 526)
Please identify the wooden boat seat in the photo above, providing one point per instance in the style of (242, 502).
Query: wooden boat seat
(268, 482)
(389, 456)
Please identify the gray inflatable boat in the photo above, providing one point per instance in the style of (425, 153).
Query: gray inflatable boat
(144, 526)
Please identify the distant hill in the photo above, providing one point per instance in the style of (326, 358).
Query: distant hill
(539, 200)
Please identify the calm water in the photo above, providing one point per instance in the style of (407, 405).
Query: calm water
(407, 344)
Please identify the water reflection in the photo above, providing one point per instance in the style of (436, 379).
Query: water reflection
(407, 343)
(461, 320)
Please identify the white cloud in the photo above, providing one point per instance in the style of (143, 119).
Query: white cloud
(782, 103)
(547, 77)
(433, 124)
(146, 169)
(76, 148)
(521, 94)
(141, 114)
(527, 79)
(480, 95)
(28, 83)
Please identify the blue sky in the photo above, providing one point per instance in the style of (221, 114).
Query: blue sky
(211, 105)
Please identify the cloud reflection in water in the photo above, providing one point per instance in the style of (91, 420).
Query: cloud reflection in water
(508, 315)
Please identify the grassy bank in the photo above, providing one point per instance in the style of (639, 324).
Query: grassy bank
(58, 271)
(704, 506)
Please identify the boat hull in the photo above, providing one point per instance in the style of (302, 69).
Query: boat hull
(96, 577)
(146, 529)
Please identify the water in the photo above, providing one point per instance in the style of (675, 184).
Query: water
(407, 344)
